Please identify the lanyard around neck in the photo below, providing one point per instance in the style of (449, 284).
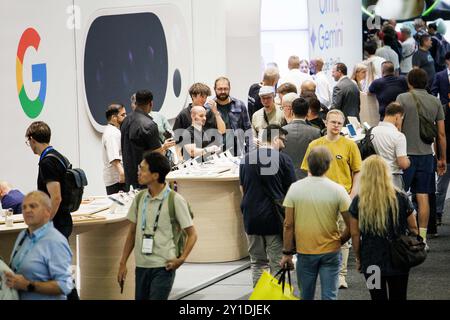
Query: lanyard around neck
(44, 153)
(15, 265)
(144, 211)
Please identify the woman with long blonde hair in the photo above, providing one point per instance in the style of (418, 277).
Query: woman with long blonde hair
(379, 212)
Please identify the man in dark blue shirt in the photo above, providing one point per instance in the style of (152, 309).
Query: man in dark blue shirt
(11, 198)
(387, 89)
(265, 176)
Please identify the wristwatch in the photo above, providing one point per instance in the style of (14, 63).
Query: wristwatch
(31, 287)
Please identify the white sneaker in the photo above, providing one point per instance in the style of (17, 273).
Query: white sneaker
(342, 283)
(427, 248)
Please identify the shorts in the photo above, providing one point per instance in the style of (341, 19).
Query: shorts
(420, 177)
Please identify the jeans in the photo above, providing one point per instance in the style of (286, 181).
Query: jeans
(441, 192)
(327, 266)
(265, 253)
(153, 283)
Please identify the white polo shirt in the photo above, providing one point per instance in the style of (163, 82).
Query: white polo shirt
(111, 150)
(389, 144)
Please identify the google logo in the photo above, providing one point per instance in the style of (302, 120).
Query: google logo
(32, 108)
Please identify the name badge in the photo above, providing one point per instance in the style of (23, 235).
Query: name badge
(147, 244)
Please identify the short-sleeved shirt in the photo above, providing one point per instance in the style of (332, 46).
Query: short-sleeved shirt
(13, 200)
(260, 122)
(265, 175)
(201, 139)
(139, 134)
(374, 249)
(163, 244)
(317, 203)
(387, 89)
(389, 54)
(162, 123)
(346, 160)
(53, 170)
(389, 143)
(111, 151)
(432, 110)
(424, 60)
(48, 259)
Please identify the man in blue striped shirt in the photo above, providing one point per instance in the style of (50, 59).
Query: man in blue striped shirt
(41, 259)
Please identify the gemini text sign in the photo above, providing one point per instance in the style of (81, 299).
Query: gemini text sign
(335, 32)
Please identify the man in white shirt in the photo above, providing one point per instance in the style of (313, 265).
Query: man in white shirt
(408, 48)
(295, 76)
(113, 173)
(376, 61)
(388, 53)
(323, 85)
(390, 143)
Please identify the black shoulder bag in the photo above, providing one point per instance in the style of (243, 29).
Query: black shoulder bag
(407, 251)
(428, 130)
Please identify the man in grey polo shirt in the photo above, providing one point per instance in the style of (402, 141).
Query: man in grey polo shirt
(390, 143)
(419, 177)
(269, 114)
(300, 135)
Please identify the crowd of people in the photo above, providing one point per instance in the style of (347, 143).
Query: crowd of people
(313, 195)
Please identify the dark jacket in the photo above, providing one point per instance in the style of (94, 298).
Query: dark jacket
(441, 86)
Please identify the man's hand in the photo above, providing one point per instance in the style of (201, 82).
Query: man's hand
(212, 149)
(16, 281)
(213, 106)
(174, 264)
(122, 274)
(441, 167)
(286, 262)
(169, 143)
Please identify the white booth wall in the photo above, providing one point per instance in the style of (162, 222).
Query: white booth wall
(212, 34)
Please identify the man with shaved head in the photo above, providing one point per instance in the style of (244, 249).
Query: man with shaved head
(41, 259)
(200, 142)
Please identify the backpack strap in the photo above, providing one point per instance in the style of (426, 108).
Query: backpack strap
(66, 164)
(171, 204)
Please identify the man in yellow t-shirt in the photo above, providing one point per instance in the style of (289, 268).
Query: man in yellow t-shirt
(344, 169)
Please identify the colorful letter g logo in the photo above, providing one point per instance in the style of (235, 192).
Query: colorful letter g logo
(32, 108)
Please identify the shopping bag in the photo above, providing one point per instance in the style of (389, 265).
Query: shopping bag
(269, 287)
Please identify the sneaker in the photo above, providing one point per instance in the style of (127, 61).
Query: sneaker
(342, 283)
(427, 248)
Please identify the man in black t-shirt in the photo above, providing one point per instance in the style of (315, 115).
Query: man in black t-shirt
(52, 169)
(423, 59)
(51, 174)
(140, 134)
(197, 142)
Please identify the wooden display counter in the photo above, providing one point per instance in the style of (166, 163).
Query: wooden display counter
(101, 237)
(215, 201)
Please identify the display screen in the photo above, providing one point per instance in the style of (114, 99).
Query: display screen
(125, 53)
(405, 10)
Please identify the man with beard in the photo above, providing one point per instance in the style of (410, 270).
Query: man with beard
(234, 114)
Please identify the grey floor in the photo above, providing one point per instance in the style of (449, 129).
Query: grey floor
(429, 281)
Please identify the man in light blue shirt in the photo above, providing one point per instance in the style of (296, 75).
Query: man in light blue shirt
(41, 259)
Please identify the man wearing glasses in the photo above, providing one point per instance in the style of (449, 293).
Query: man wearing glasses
(344, 169)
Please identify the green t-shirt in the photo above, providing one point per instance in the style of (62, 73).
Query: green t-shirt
(163, 245)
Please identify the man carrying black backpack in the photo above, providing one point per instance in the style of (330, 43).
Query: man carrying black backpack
(52, 178)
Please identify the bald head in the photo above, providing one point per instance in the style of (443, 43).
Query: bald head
(308, 85)
(5, 188)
